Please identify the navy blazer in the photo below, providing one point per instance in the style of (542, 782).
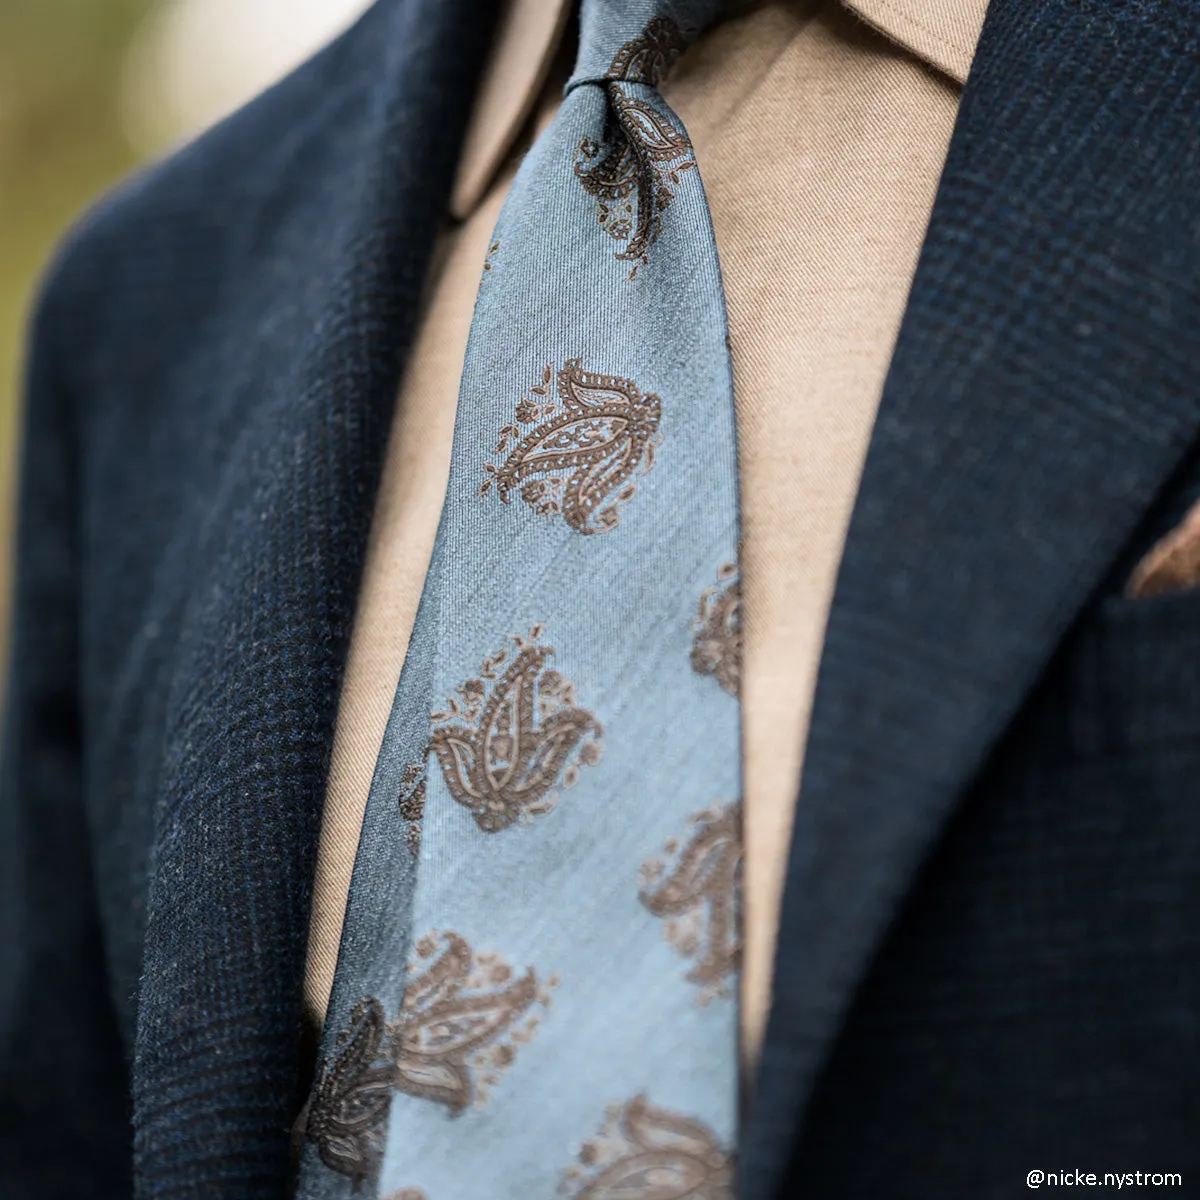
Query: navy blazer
(989, 955)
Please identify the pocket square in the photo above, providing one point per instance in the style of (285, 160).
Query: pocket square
(1173, 563)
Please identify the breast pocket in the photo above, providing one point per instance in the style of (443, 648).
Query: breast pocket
(1129, 683)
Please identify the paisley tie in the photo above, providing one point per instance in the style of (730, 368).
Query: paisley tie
(536, 989)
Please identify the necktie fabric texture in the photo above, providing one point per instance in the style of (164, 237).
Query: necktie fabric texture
(537, 983)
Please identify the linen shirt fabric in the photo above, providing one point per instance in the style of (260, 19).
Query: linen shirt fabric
(820, 129)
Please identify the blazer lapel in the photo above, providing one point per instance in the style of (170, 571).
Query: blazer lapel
(338, 204)
(1043, 387)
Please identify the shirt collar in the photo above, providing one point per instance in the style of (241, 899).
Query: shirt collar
(527, 36)
(942, 33)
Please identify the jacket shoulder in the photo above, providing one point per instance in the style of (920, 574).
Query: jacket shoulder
(187, 224)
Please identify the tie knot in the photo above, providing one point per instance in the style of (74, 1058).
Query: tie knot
(636, 41)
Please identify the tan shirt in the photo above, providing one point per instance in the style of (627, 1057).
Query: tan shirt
(820, 128)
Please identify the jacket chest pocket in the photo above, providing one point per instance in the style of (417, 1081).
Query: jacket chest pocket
(1126, 686)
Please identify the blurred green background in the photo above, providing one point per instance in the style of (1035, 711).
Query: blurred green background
(88, 89)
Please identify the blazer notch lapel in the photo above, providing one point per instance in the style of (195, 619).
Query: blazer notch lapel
(1042, 391)
(270, 601)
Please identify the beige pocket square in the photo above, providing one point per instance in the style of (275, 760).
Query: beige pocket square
(1173, 564)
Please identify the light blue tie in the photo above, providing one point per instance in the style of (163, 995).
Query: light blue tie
(536, 992)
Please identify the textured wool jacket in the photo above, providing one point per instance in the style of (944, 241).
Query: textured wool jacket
(989, 954)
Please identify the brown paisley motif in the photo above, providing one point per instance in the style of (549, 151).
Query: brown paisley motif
(407, 1194)
(350, 1102)
(412, 804)
(627, 171)
(649, 58)
(648, 1153)
(512, 737)
(717, 649)
(653, 135)
(697, 890)
(463, 1015)
(580, 458)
